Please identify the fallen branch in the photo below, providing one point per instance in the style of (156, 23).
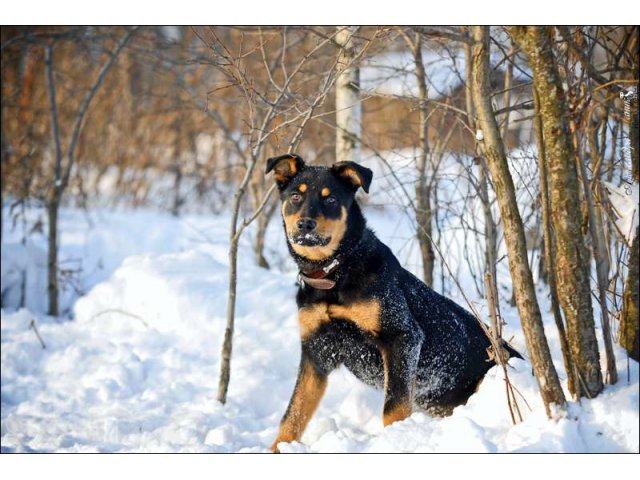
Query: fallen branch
(33, 327)
(121, 312)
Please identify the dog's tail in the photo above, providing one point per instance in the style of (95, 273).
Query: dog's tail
(513, 353)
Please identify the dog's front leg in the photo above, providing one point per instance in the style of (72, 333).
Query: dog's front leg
(400, 355)
(307, 393)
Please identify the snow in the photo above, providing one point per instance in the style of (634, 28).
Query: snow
(133, 366)
(393, 72)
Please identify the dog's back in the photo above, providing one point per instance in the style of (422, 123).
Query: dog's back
(453, 355)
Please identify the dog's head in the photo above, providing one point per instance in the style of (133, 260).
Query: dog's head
(316, 202)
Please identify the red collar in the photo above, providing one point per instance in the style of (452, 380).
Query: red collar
(317, 279)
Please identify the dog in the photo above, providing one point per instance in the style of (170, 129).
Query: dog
(359, 308)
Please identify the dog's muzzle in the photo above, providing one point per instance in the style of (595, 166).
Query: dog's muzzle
(309, 239)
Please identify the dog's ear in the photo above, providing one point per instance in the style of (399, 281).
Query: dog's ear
(355, 174)
(285, 167)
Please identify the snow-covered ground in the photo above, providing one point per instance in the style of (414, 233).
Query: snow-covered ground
(133, 365)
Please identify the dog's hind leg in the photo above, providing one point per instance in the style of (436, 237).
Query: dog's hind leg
(307, 393)
(400, 356)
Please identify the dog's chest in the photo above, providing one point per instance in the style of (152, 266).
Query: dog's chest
(340, 342)
(365, 314)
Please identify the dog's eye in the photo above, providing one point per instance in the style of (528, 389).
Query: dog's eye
(330, 200)
(296, 197)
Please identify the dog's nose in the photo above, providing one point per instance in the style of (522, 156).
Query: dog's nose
(306, 224)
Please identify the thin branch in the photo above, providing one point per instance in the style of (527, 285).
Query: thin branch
(86, 101)
(526, 105)
(593, 72)
(429, 32)
(55, 125)
(120, 312)
(33, 327)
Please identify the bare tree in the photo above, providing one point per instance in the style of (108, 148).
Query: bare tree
(265, 119)
(492, 148)
(490, 235)
(572, 260)
(579, 124)
(62, 170)
(423, 184)
(601, 257)
(348, 106)
(630, 315)
(549, 250)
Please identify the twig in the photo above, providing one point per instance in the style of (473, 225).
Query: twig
(121, 312)
(498, 352)
(442, 34)
(593, 71)
(526, 105)
(33, 327)
(86, 101)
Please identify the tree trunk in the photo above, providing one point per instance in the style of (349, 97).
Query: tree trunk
(261, 231)
(348, 106)
(177, 168)
(630, 319)
(423, 191)
(52, 262)
(4, 156)
(549, 251)
(542, 262)
(601, 257)
(493, 150)
(61, 175)
(234, 239)
(258, 191)
(634, 131)
(572, 261)
(491, 242)
(508, 81)
(53, 198)
(227, 344)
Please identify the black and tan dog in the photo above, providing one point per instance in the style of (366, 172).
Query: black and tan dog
(358, 307)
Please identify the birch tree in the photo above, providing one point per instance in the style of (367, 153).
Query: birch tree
(348, 106)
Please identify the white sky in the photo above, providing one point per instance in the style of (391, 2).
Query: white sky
(327, 12)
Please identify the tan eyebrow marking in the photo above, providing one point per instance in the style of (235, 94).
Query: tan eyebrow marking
(325, 192)
(303, 187)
